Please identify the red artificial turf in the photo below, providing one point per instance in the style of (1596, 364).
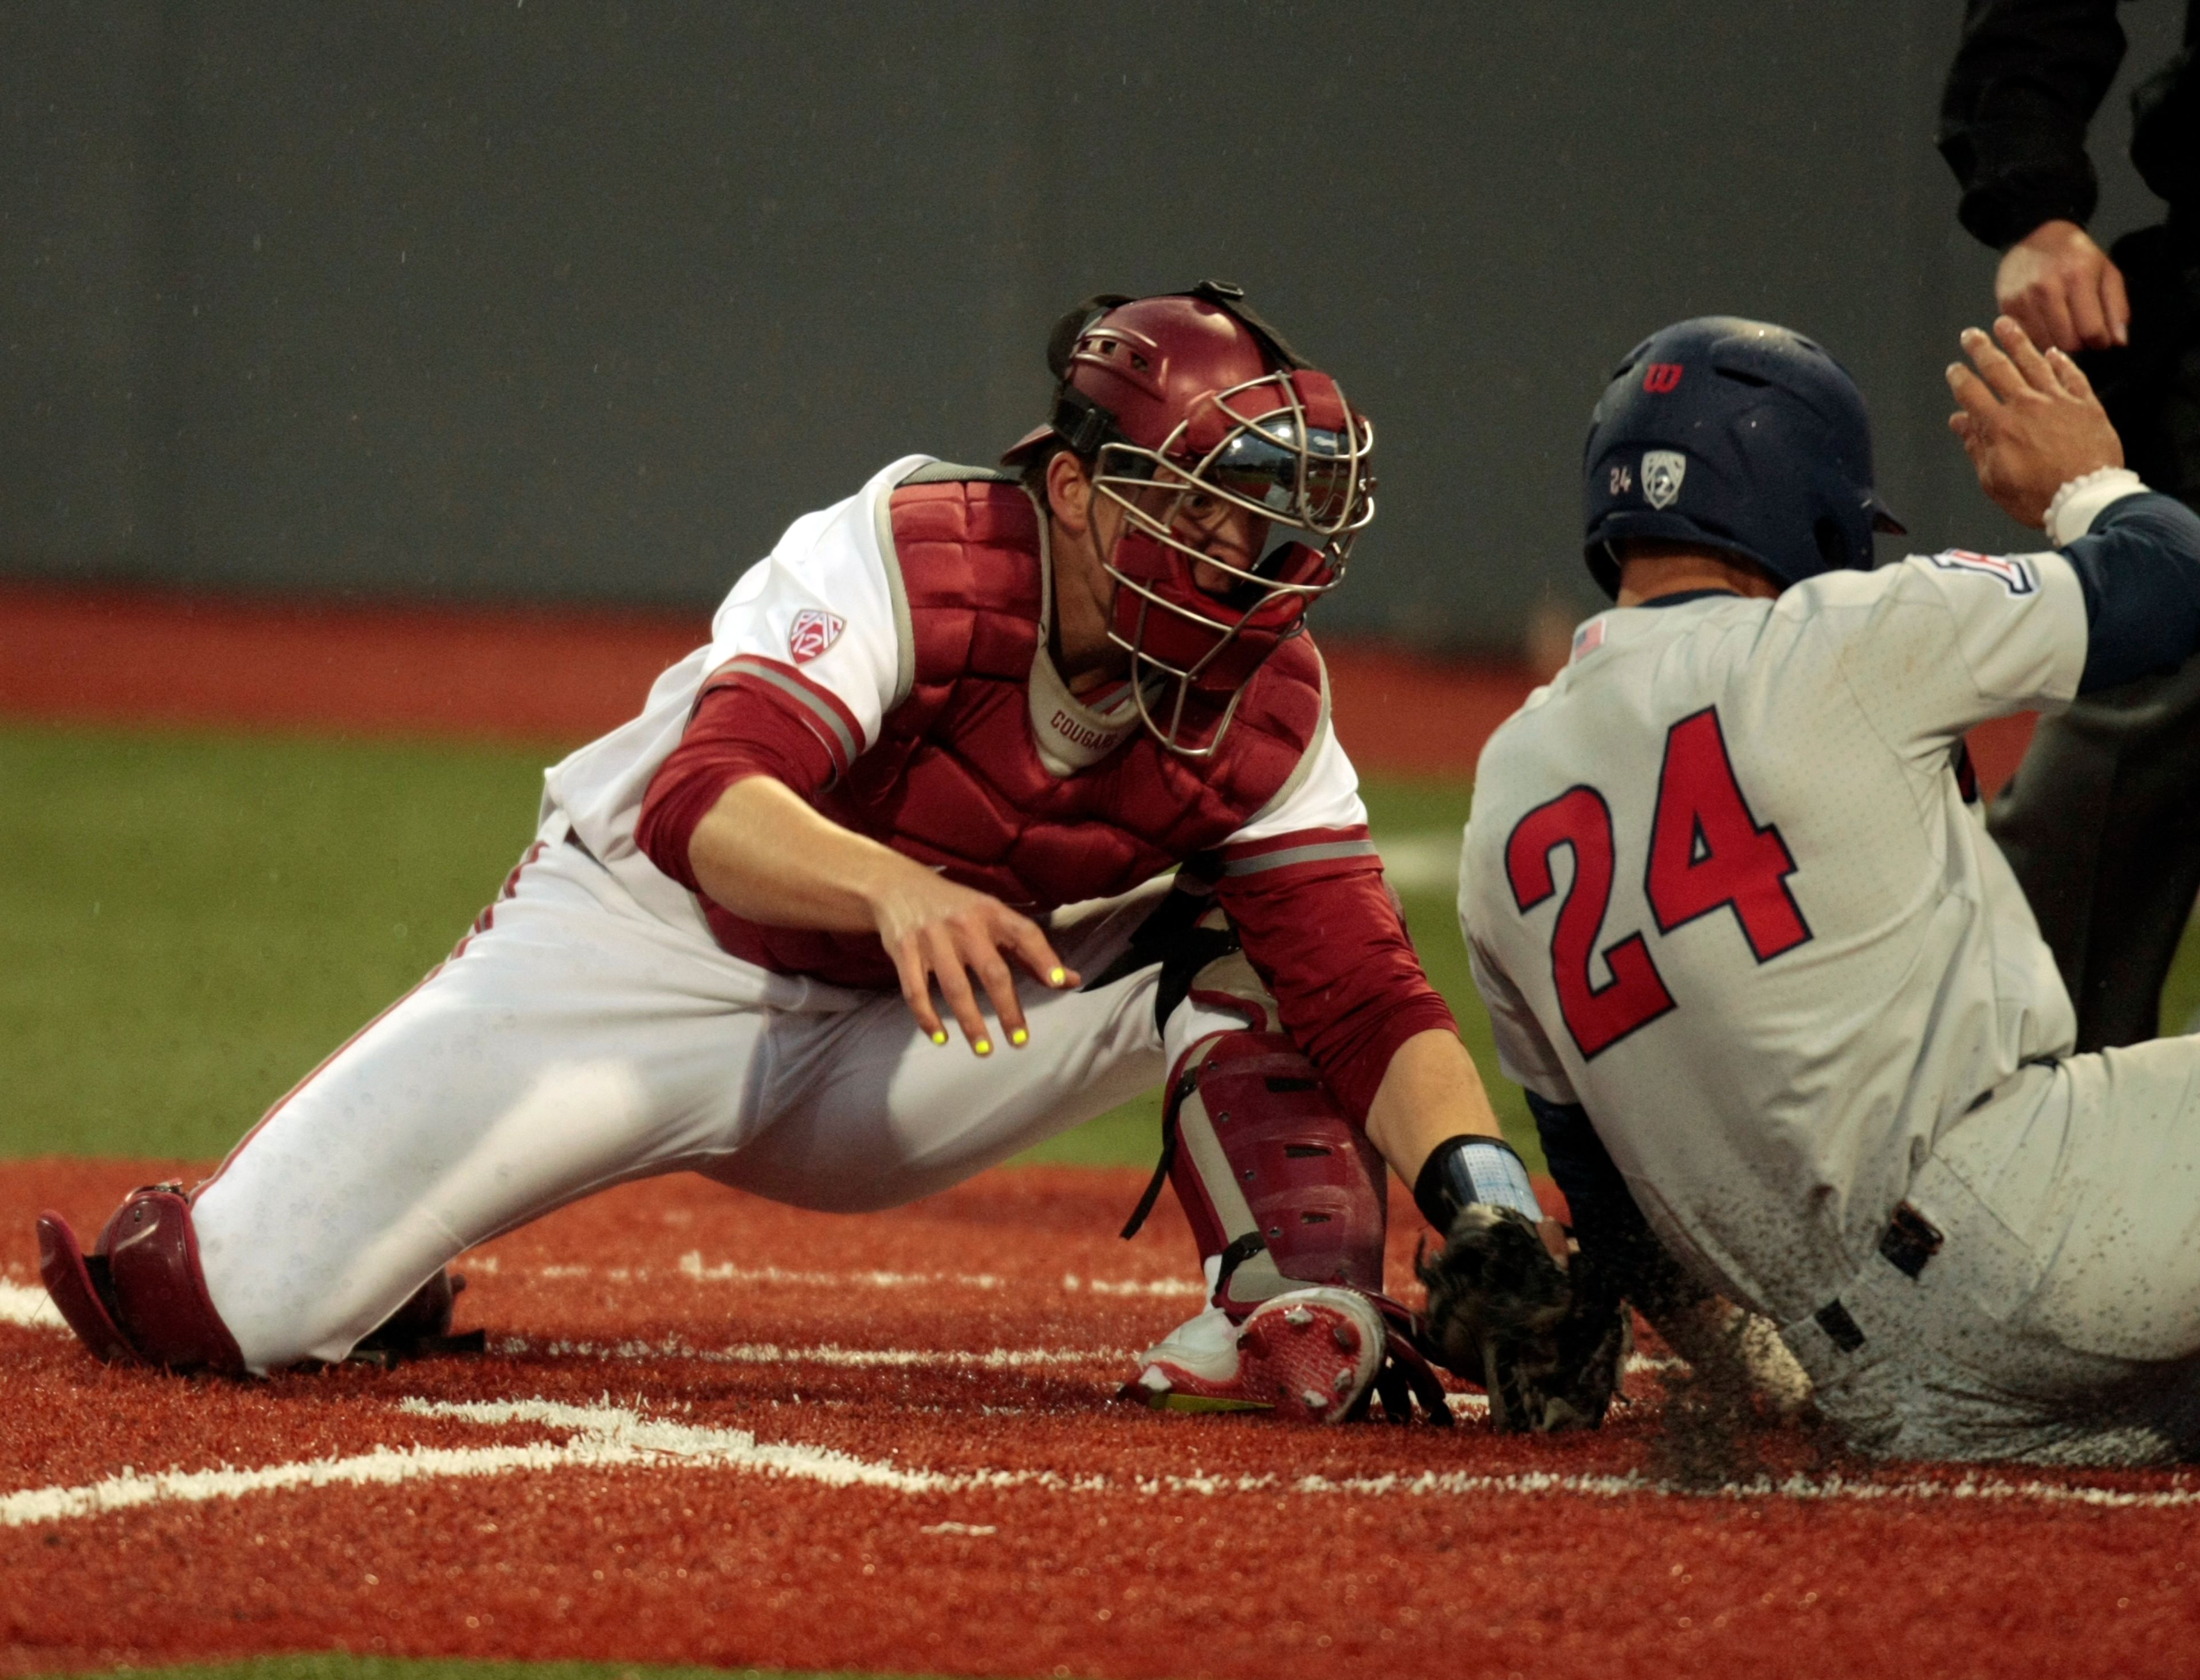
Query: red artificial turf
(1142, 1556)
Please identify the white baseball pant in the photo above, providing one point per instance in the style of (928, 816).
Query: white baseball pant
(2059, 1320)
(579, 1042)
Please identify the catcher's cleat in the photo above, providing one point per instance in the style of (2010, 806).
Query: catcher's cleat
(1310, 1353)
(421, 1328)
(138, 1297)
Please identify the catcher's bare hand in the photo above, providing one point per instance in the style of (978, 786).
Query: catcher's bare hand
(939, 933)
(2030, 423)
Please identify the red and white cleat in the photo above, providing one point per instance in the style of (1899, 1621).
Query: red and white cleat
(1310, 1353)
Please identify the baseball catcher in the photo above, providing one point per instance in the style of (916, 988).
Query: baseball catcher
(934, 769)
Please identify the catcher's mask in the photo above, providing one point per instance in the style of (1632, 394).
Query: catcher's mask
(1189, 405)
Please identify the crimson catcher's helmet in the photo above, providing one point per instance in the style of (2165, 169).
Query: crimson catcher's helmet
(1192, 395)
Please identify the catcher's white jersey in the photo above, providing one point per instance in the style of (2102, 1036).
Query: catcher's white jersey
(1721, 887)
(823, 599)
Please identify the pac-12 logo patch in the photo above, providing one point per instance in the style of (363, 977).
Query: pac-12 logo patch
(1663, 470)
(813, 631)
(2008, 569)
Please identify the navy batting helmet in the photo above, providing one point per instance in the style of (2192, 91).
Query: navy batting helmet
(1735, 435)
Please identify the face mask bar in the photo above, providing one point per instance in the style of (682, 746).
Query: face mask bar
(1254, 447)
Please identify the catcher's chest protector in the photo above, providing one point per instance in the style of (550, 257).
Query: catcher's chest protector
(956, 780)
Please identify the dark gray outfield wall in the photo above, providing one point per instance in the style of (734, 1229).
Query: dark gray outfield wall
(587, 301)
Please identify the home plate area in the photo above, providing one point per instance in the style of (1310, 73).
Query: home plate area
(710, 1429)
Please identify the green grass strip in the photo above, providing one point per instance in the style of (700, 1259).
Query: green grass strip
(189, 922)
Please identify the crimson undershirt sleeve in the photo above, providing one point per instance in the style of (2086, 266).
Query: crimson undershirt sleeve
(742, 726)
(1327, 938)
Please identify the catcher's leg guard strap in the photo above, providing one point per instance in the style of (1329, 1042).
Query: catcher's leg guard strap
(1270, 1172)
(139, 1294)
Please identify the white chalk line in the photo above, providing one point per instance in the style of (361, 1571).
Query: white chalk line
(29, 1307)
(825, 1353)
(692, 1264)
(603, 1436)
(1178, 1288)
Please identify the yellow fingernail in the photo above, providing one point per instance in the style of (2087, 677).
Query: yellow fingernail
(939, 1037)
(984, 1046)
(1057, 976)
(1018, 1038)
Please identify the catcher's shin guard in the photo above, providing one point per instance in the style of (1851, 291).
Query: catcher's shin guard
(139, 1296)
(1285, 1199)
(1274, 1180)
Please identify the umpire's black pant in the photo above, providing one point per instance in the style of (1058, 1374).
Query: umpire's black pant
(2101, 821)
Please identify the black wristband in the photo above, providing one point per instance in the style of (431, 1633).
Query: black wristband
(1448, 1182)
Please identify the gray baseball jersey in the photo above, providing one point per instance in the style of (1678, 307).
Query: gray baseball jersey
(1723, 887)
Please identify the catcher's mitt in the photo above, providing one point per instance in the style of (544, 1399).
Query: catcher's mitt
(1546, 1340)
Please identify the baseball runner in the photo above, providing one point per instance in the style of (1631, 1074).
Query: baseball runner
(931, 769)
(1750, 950)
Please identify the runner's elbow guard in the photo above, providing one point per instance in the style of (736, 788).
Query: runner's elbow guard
(2139, 564)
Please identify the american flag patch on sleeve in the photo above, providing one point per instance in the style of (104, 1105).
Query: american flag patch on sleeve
(2010, 570)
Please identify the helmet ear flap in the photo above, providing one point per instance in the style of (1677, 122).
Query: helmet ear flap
(1833, 542)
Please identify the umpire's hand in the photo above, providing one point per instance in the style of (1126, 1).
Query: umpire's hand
(2063, 290)
(2030, 423)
